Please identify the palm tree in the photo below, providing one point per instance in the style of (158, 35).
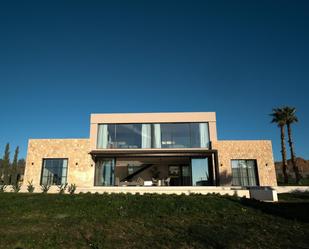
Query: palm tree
(290, 118)
(279, 119)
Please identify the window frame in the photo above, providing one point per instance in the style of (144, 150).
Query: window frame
(113, 159)
(190, 133)
(55, 158)
(247, 179)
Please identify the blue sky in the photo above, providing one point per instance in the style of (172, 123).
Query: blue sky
(62, 60)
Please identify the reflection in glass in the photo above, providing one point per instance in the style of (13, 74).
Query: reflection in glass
(165, 135)
(104, 172)
(200, 172)
(244, 173)
(54, 171)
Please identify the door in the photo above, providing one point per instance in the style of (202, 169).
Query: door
(180, 175)
(202, 174)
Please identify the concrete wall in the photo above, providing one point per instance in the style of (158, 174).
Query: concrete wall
(260, 150)
(291, 189)
(80, 164)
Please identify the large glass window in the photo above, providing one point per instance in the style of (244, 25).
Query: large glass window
(104, 172)
(54, 171)
(125, 136)
(165, 135)
(244, 173)
(200, 172)
(180, 135)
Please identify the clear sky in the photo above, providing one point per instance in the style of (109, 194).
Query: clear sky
(62, 60)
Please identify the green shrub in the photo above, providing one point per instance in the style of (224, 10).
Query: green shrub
(72, 188)
(45, 188)
(30, 187)
(62, 188)
(16, 187)
(2, 188)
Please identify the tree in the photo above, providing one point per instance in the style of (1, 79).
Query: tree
(14, 173)
(6, 165)
(1, 170)
(279, 119)
(21, 168)
(289, 114)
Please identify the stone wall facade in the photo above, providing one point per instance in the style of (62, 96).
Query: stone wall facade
(80, 165)
(259, 150)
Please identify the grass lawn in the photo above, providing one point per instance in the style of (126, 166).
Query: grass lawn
(151, 221)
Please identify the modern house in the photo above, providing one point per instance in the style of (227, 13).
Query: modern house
(150, 151)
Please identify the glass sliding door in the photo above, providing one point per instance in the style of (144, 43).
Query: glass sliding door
(201, 172)
(204, 135)
(146, 136)
(186, 175)
(105, 172)
(156, 136)
(102, 139)
(180, 175)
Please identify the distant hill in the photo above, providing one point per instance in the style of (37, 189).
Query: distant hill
(302, 164)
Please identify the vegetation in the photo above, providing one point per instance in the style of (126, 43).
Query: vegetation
(45, 188)
(62, 188)
(10, 172)
(2, 188)
(292, 182)
(151, 221)
(14, 173)
(30, 187)
(5, 164)
(16, 187)
(289, 114)
(72, 188)
(286, 116)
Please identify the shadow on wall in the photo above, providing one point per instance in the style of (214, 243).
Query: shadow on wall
(225, 178)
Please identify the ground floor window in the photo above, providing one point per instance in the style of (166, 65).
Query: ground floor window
(54, 171)
(154, 171)
(244, 173)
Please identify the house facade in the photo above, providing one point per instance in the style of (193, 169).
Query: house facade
(149, 150)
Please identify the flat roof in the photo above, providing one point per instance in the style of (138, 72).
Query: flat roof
(161, 117)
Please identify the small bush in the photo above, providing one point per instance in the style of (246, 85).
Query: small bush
(2, 188)
(16, 187)
(71, 189)
(30, 187)
(62, 188)
(45, 188)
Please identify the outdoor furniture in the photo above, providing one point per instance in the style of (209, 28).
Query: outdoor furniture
(167, 181)
(128, 183)
(154, 182)
(147, 183)
(140, 181)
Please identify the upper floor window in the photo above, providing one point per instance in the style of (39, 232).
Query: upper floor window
(165, 135)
